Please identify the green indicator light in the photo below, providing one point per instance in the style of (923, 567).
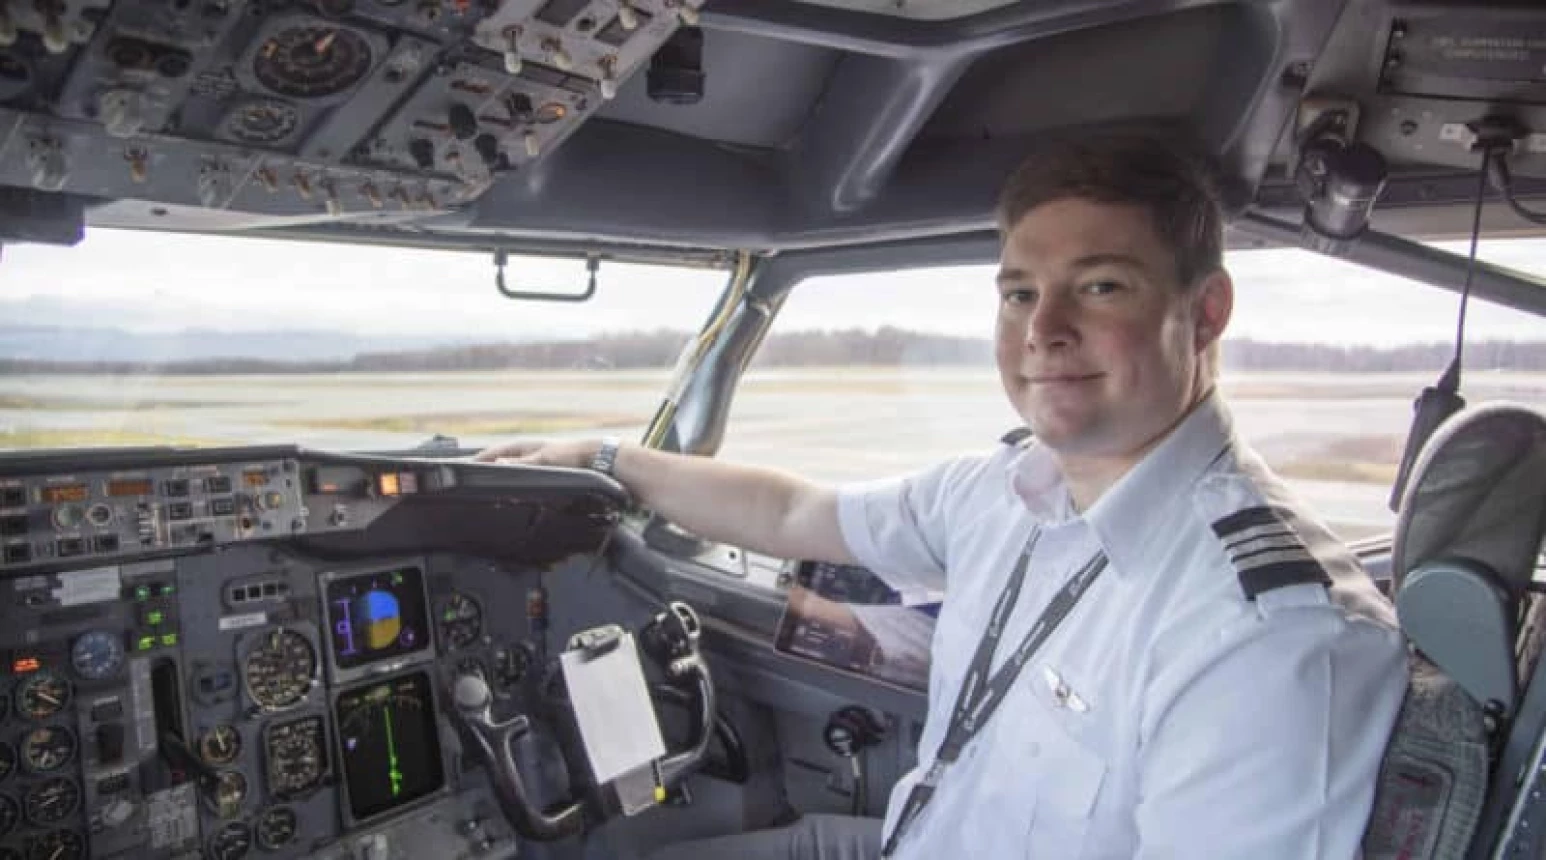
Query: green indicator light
(142, 592)
(393, 773)
(145, 643)
(168, 589)
(169, 639)
(155, 617)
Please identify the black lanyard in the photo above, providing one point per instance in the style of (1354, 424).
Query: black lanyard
(976, 702)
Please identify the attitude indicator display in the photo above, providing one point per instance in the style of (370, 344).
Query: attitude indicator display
(377, 616)
(388, 744)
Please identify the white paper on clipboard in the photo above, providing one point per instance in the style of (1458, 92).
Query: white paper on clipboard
(612, 706)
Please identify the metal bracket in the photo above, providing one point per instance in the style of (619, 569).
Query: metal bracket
(592, 263)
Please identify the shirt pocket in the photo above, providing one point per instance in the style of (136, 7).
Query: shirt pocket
(1071, 776)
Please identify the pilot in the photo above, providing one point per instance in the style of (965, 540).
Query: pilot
(1148, 646)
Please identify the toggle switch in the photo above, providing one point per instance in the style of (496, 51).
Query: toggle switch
(512, 50)
(533, 146)
(689, 15)
(608, 66)
(55, 39)
(8, 33)
(334, 206)
(628, 17)
(268, 179)
(139, 165)
(558, 55)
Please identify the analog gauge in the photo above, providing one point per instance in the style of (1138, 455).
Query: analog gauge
(311, 61)
(462, 620)
(296, 756)
(262, 121)
(279, 673)
(220, 745)
(232, 842)
(10, 815)
(7, 760)
(276, 828)
(97, 655)
(57, 845)
(47, 749)
(51, 802)
(511, 664)
(226, 792)
(42, 695)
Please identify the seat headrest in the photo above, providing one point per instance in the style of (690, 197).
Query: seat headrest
(1477, 491)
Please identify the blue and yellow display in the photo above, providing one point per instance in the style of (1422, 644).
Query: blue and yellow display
(375, 616)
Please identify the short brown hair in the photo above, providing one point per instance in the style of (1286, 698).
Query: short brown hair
(1129, 168)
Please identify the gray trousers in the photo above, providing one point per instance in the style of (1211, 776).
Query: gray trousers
(813, 837)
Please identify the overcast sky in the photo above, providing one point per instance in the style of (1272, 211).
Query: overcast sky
(159, 281)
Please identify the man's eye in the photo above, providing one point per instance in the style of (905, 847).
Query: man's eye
(1019, 297)
(1102, 288)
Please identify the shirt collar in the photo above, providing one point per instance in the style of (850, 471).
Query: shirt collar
(1140, 504)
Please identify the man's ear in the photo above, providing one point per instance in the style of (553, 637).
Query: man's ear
(1212, 304)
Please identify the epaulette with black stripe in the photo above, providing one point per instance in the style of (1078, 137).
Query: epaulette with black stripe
(1266, 551)
(1018, 437)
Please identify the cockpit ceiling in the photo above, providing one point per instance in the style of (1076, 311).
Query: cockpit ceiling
(919, 10)
(781, 125)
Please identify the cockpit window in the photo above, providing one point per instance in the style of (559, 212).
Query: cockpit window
(155, 338)
(873, 375)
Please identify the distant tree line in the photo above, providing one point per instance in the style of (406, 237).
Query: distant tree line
(1492, 354)
(883, 347)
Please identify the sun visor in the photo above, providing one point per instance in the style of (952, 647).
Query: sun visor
(1478, 492)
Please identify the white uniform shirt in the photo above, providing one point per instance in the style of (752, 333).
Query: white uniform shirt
(1169, 715)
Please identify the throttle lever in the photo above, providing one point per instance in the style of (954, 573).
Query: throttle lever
(494, 740)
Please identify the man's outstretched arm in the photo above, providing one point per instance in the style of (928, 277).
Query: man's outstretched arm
(763, 510)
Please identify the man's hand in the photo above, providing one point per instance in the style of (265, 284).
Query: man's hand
(759, 509)
(573, 454)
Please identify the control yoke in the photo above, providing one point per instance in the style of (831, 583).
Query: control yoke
(671, 641)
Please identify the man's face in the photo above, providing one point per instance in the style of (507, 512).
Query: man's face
(1098, 346)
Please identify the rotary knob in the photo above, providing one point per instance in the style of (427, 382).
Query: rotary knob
(464, 124)
(422, 152)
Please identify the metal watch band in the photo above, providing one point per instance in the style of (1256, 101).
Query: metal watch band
(605, 459)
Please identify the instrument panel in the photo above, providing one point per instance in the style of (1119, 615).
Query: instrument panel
(245, 735)
(325, 108)
(231, 683)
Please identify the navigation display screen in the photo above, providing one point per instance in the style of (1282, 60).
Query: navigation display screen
(847, 617)
(375, 616)
(388, 743)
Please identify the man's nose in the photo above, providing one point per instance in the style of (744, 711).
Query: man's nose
(1050, 323)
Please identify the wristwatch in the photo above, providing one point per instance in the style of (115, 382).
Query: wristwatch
(605, 459)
